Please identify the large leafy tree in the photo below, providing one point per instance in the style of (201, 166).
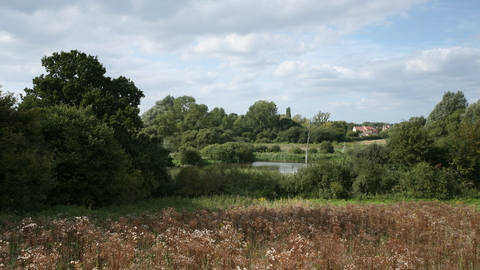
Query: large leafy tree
(411, 143)
(450, 103)
(77, 79)
(160, 107)
(261, 116)
(464, 147)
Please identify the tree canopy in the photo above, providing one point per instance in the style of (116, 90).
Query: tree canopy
(77, 79)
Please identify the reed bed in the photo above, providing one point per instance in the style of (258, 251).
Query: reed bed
(406, 235)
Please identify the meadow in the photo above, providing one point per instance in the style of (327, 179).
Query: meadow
(245, 233)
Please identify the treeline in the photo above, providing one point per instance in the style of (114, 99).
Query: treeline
(433, 157)
(75, 138)
(436, 157)
(182, 123)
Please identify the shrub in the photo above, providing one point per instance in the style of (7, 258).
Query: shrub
(275, 148)
(374, 152)
(196, 182)
(253, 182)
(326, 147)
(325, 180)
(25, 166)
(260, 148)
(245, 153)
(373, 178)
(90, 166)
(190, 156)
(313, 150)
(425, 181)
(296, 150)
(229, 152)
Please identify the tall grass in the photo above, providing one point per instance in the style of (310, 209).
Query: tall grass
(415, 235)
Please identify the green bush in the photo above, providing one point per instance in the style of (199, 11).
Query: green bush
(326, 147)
(313, 150)
(325, 180)
(190, 156)
(253, 182)
(260, 148)
(227, 180)
(195, 182)
(245, 153)
(373, 178)
(275, 148)
(296, 150)
(426, 182)
(229, 152)
(25, 165)
(90, 166)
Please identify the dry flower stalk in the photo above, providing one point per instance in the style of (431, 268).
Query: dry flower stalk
(426, 235)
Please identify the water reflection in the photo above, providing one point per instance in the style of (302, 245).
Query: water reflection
(283, 167)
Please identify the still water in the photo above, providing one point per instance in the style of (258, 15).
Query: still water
(283, 167)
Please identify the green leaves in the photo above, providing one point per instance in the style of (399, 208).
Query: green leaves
(261, 116)
(410, 143)
(77, 79)
(25, 176)
(90, 166)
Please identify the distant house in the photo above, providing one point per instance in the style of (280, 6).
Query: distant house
(386, 127)
(365, 130)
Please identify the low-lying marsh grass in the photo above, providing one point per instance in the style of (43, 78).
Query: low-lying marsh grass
(264, 235)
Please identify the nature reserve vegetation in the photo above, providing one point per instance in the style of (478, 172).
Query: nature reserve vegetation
(76, 139)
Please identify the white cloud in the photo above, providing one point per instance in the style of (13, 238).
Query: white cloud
(309, 55)
(456, 61)
(305, 70)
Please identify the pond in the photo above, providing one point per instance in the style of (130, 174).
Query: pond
(283, 167)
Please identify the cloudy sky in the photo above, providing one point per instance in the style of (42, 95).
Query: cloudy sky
(368, 60)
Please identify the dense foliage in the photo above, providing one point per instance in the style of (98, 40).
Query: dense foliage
(418, 161)
(76, 138)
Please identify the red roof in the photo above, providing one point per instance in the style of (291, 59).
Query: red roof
(363, 128)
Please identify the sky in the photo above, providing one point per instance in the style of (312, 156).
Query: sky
(369, 60)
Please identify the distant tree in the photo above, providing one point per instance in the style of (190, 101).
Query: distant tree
(472, 112)
(303, 121)
(216, 116)
(426, 182)
(160, 106)
(320, 118)
(261, 116)
(450, 103)
(286, 123)
(228, 121)
(289, 113)
(464, 151)
(410, 143)
(166, 124)
(291, 135)
(195, 118)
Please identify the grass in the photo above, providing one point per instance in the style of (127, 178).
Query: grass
(215, 203)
